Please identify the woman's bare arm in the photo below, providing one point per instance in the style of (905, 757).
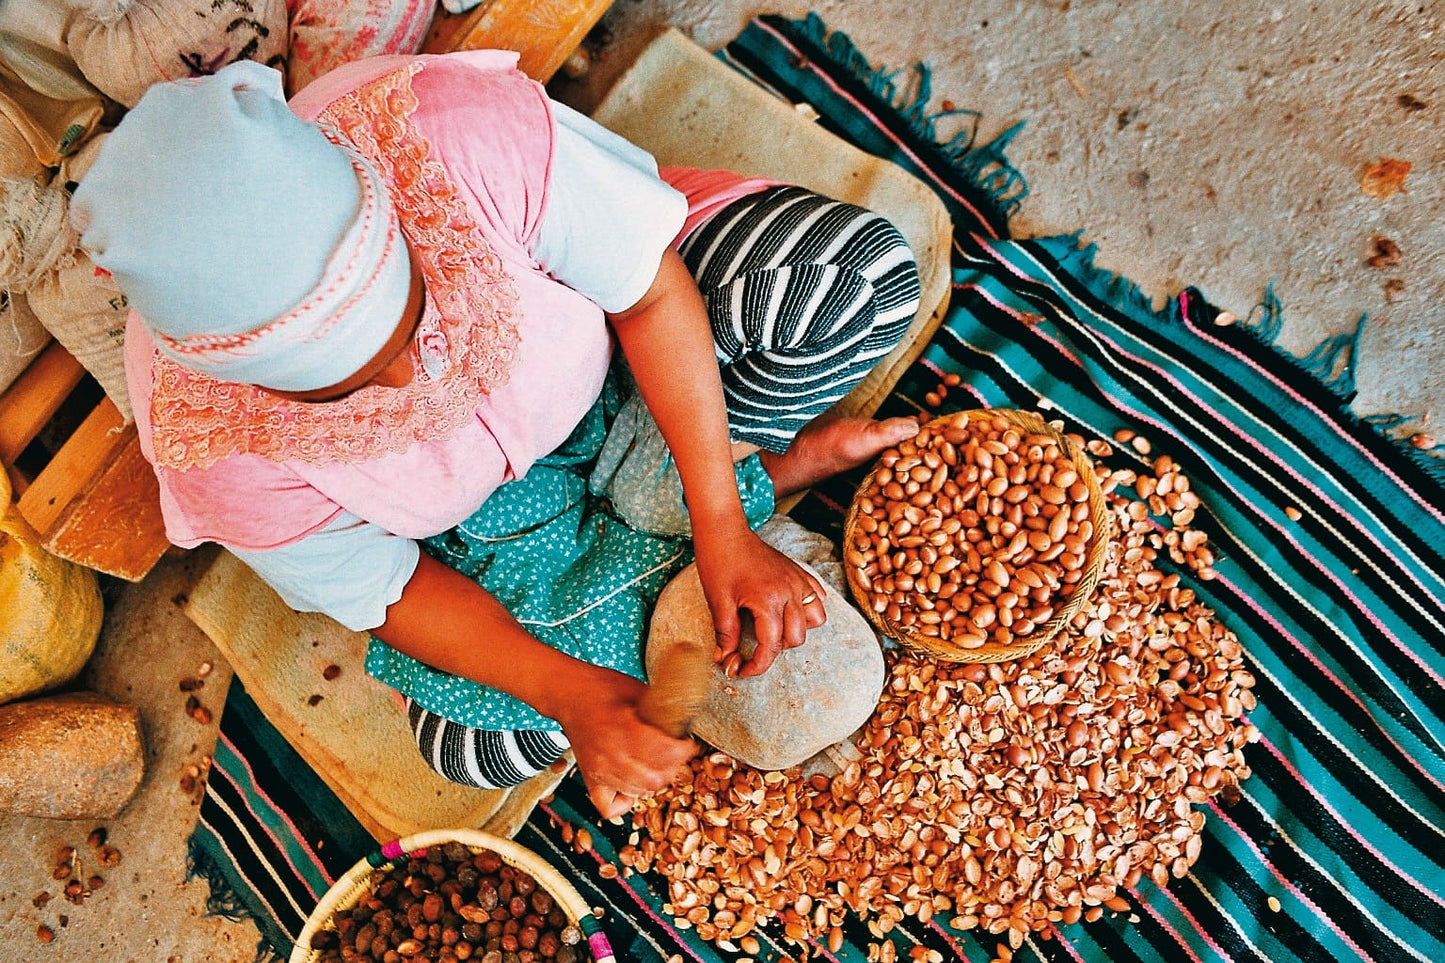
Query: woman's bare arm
(667, 339)
(448, 621)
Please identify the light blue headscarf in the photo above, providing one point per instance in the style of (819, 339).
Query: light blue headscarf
(254, 248)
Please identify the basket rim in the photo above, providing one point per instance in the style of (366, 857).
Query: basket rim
(1094, 561)
(349, 886)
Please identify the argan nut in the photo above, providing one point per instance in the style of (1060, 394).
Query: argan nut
(95, 882)
(331, 672)
(44, 934)
(1292, 513)
(202, 715)
(97, 837)
(109, 856)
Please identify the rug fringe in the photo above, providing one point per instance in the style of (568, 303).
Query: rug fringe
(985, 166)
(1116, 289)
(1332, 363)
(1323, 361)
(223, 900)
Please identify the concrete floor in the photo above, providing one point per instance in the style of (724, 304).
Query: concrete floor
(1210, 142)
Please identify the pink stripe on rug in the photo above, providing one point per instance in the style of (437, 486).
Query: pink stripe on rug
(642, 904)
(245, 794)
(1345, 823)
(1324, 670)
(1163, 427)
(1283, 386)
(1213, 945)
(1322, 916)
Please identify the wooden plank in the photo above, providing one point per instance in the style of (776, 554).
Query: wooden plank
(34, 398)
(115, 525)
(544, 32)
(75, 466)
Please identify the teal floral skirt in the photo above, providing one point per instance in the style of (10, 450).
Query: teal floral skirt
(578, 550)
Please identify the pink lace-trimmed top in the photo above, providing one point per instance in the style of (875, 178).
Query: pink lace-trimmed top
(523, 355)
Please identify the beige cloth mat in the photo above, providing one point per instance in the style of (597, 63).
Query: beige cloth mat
(687, 108)
(356, 737)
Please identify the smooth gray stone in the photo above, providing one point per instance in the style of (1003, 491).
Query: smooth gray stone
(812, 696)
(73, 756)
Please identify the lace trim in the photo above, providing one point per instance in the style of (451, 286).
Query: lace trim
(197, 420)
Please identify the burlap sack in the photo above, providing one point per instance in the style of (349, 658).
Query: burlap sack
(82, 308)
(35, 233)
(74, 167)
(21, 337)
(50, 609)
(86, 312)
(43, 23)
(124, 47)
(50, 73)
(328, 33)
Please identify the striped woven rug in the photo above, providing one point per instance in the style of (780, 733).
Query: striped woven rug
(1335, 849)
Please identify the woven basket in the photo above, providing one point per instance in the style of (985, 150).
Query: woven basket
(1017, 646)
(357, 882)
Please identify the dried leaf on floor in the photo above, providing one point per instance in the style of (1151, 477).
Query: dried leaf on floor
(1387, 253)
(1074, 82)
(1385, 178)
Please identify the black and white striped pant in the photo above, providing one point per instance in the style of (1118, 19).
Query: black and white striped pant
(805, 295)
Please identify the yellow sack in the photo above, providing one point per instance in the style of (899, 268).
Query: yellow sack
(50, 610)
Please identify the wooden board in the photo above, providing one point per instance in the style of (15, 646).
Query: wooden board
(355, 736)
(687, 108)
(115, 526)
(96, 502)
(544, 32)
(35, 397)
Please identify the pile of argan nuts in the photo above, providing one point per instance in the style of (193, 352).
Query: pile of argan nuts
(68, 870)
(1006, 798)
(452, 905)
(970, 532)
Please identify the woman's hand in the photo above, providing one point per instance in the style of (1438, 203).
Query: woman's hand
(739, 571)
(621, 757)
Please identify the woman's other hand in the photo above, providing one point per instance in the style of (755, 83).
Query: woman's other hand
(621, 757)
(740, 572)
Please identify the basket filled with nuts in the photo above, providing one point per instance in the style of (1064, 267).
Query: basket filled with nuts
(979, 538)
(452, 895)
